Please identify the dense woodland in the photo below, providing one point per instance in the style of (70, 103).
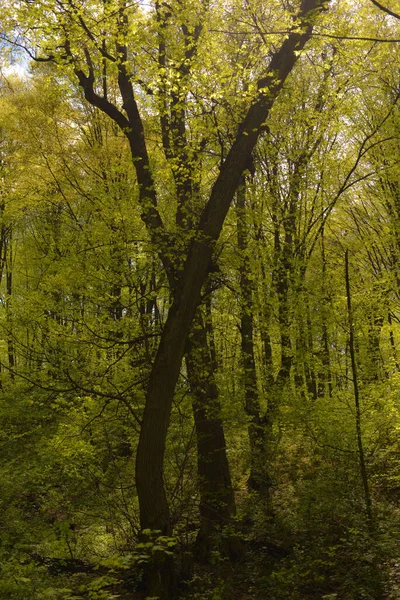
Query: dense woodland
(200, 299)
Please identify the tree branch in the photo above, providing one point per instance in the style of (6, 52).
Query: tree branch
(384, 9)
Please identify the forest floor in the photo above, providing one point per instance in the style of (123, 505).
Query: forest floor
(262, 572)
(251, 561)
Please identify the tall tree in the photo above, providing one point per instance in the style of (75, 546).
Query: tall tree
(77, 38)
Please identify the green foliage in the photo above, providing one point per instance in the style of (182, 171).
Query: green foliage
(349, 569)
(85, 292)
(156, 550)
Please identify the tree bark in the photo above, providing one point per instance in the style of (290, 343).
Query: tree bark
(352, 348)
(187, 279)
(10, 333)
(258, 478)
(217, 500)
(326, 378)
(393, 342)
(154, 512)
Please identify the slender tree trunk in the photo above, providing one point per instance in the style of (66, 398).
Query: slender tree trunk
(363, 469)
(374, 362)
(311, 378)
(393, 342)
(217, 501)
(10, 333)
(282, 277)
(325, 376)
(305, 376)
(258, 479)
(3, 258)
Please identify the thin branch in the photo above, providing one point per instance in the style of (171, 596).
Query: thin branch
(386, 10)
(332, 36)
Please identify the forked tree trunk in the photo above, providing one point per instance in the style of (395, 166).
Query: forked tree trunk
(154, 511)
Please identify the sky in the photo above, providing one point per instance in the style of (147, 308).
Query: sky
(15, 69)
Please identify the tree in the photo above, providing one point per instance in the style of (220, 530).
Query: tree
(185, 277)
(137, 291)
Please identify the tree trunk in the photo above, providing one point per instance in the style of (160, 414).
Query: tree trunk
(374, 362)
(393, 342)
(326, 378)
(258, 478)
(360, 444)
(217, 501)
(154, 510)
(187, 284)
(10, 333)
